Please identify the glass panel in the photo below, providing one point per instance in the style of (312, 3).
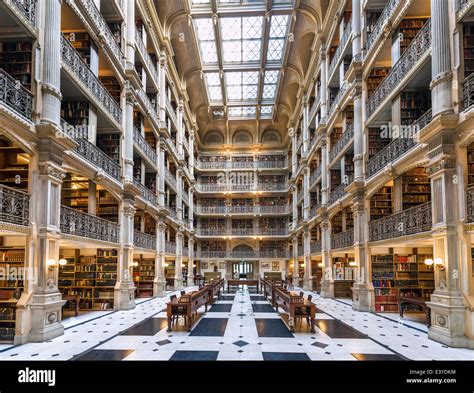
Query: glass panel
(206, 38)
(214, 86)
(241, 38)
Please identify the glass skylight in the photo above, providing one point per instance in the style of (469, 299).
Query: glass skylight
(242, 85)
(214, 86)
(276, 42)
(242, 111)
(266, 111)
(207, 42)
(270, 83)
(241, 38)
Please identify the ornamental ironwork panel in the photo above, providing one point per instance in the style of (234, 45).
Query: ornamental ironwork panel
(146, 57)
(342, 239)
(407, 222)
(147, 194)
(470, 204)
(338, 192)
(315, 175)
(102, 29)
(468, 92)
(171, 178)
(343, 141)
(144, 240)
(340, 48)
(315, 246)
(334, 103)
(14, 206)
(74, 62)
(15, 96)
(77, 223)
(98, 158)
(414, 52)
(141, 142)
(27, 8)
(170, 248)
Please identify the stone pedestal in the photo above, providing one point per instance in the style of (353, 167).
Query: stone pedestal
(124, 295)
(45, 318)
(308, 283)
(327, 289)
(159, 287)
(178, 283)
(363, 297)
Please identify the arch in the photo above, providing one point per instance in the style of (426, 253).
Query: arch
(214, 137)
(243, 248)
(271, 136)
(242, 137)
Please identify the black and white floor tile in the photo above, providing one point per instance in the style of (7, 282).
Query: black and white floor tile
(241, 325)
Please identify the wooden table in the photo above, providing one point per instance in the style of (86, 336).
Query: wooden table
(73, 298)
(186, 306)
(296, 306)
(215, 289)
(237, 282)
(419, 301)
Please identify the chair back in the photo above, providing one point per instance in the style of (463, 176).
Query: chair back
(310, 297)
(183, 293)
(301, 293)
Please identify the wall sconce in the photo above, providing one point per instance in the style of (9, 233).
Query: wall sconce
(52, 264)
(166, 264)
(429, 262)
(320, 264)
(133, 264)
(353, 263)
(437, 262)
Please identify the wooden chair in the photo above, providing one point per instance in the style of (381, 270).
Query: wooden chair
(183, 293)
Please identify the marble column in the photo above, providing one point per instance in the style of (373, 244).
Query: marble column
(130, 34)
(161, 172)
(159, 282)
(450, 317)
(324, 105)
(124, 291)
(305, 125)
(162, 75)
(178, 278)
(295, 278)
(179, 194)
(294, 164)
(441, 74)
(190, 261)
(327, 282)
(191, 152)
(191, 208)
(363, 290)
(180, 132)
(294, 192)
(324, 173)
(307, 279)
(306, 193)
(128, 162)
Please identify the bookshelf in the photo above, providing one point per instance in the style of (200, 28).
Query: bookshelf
(14, 165)
(371, 18)
(381, 203)
(409, 28)
(468, 47)
(92, 277)
(470, 164)
(10, 290)
(376, 76)
(416, 188)
(76, 113)
(413, 105)
(16, 60)
(401, 274)
(109, 143)
(112, 85)
(107, 206)
(75, 192)
(143, 276)
(343, 276)
(336, 223)
(82, 42)
(376, 141)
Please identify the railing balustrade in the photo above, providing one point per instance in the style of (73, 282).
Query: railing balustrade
(15, 96)
(14, 206)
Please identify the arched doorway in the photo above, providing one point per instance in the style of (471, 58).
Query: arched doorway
(243, 268)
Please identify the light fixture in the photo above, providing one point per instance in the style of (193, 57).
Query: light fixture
(133, 264)
(51, 263)
(62, 262)
(428, 262)
(353, 263)
(438, 262)
(320, 264)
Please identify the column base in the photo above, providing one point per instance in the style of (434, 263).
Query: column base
(124, 296)
(46, 314)
(178, 283)
(327, 289)
(159, 287)
(190, 280)
(308, 283)
(363, 298)
(295, 281)
(448, 314)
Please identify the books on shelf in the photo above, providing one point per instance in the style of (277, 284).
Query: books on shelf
(416, 188)
(109, 143)
(381, 203)
(16, 60)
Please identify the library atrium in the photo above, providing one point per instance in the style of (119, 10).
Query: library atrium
(236, 180)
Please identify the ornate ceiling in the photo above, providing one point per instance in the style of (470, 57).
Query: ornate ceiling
(243, 63)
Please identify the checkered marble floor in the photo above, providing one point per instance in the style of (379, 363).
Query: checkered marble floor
(240, 326)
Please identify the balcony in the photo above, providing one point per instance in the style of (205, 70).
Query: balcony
(25, 9)
(15, 97)
(171, 211)
(470, 204)
(314, 209)
(171, 111)
(340, 49)
(413, 221)
(315, 175)
(150, 67)
(144, 147)
(243, 254)
(170, 248)
(257, 164)
(300, 195)
(397, 148)
(336, 101)
(340, 191)
(314, 107)
(171, 179)
(271, 232)
(82, 75)
(283, 186)
(417, 51)
(148, 106)
(91, 152)
(145, 193)
(101, 28)
(379, 27)
(468, 92)
(342, 239)
(463, 9)
(76, 223)
(14, 206)
(185, 251)
(185, 197)
(276, 209)
(342, 143)
(219, 232)
(144, 240)
(315, 247)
